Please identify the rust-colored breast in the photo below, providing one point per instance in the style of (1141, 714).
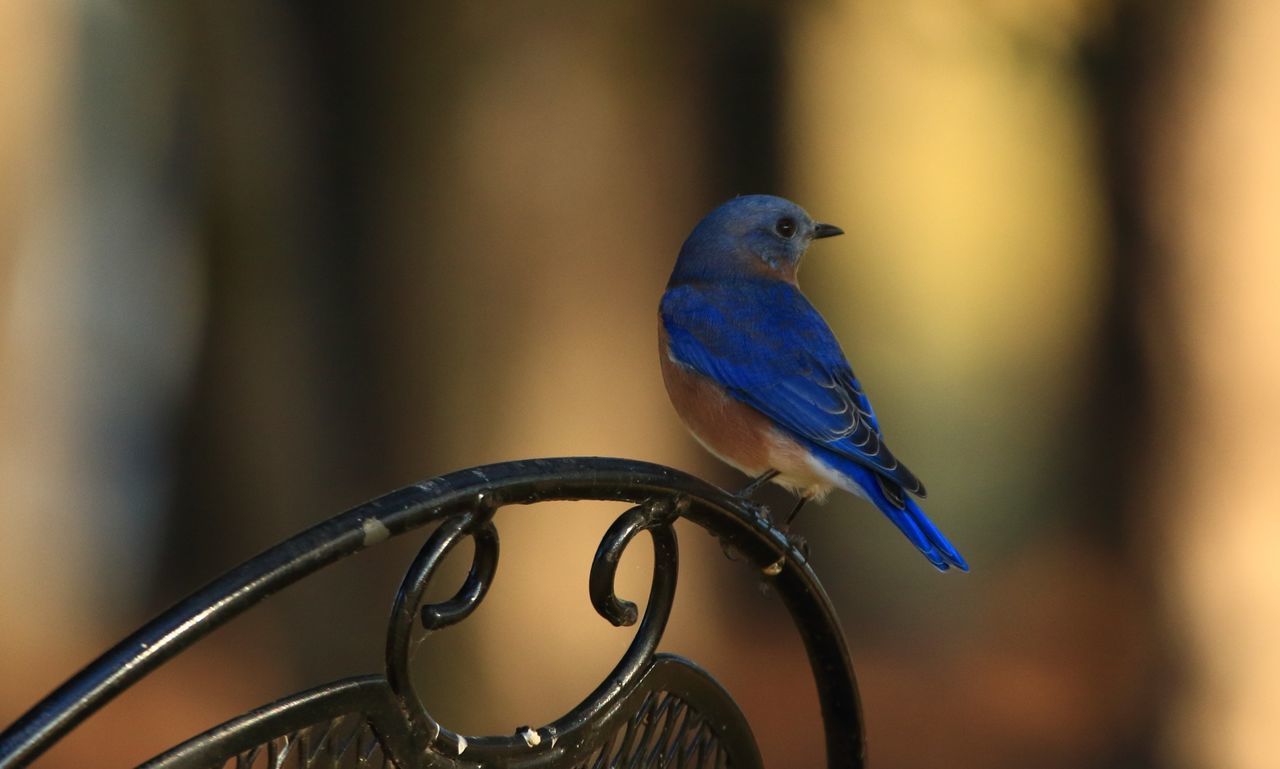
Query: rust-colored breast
(735, 432)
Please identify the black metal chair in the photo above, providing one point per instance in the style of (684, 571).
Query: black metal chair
(653, 710)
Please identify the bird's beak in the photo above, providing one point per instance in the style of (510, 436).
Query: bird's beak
(826, 231)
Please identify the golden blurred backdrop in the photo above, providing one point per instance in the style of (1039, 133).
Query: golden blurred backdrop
(260, 262)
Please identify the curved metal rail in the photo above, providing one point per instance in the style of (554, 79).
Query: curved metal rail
(698, 715)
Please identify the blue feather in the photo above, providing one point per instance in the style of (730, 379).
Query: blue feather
(769, 348)
(909, 519)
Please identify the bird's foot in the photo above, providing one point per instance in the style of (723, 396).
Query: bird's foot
(760, 512)
(728, 549)
(798, 544)
(798, 549)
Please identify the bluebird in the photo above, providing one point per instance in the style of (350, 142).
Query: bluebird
(761, 382)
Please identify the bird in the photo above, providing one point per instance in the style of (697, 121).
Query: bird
(758, 377)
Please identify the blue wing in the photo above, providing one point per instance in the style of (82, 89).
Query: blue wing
(902, 511)
(771, 349)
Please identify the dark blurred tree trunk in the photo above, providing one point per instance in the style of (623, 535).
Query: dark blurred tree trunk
(283, 427)
(1126, 65)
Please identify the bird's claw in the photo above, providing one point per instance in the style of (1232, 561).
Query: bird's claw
(798, 544)
(798, 549)
(758, 511)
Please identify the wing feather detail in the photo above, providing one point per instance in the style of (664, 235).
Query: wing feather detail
(769, 348)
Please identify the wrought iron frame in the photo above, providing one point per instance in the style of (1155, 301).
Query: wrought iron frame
(644, 690)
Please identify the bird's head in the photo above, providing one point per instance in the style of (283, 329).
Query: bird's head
(749, 236)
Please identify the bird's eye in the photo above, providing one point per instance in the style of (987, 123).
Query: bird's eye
(786, 227)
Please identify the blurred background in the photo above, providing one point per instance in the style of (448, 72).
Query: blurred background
(262, 261)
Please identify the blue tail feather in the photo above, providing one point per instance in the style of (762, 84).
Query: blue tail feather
(911, 521)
